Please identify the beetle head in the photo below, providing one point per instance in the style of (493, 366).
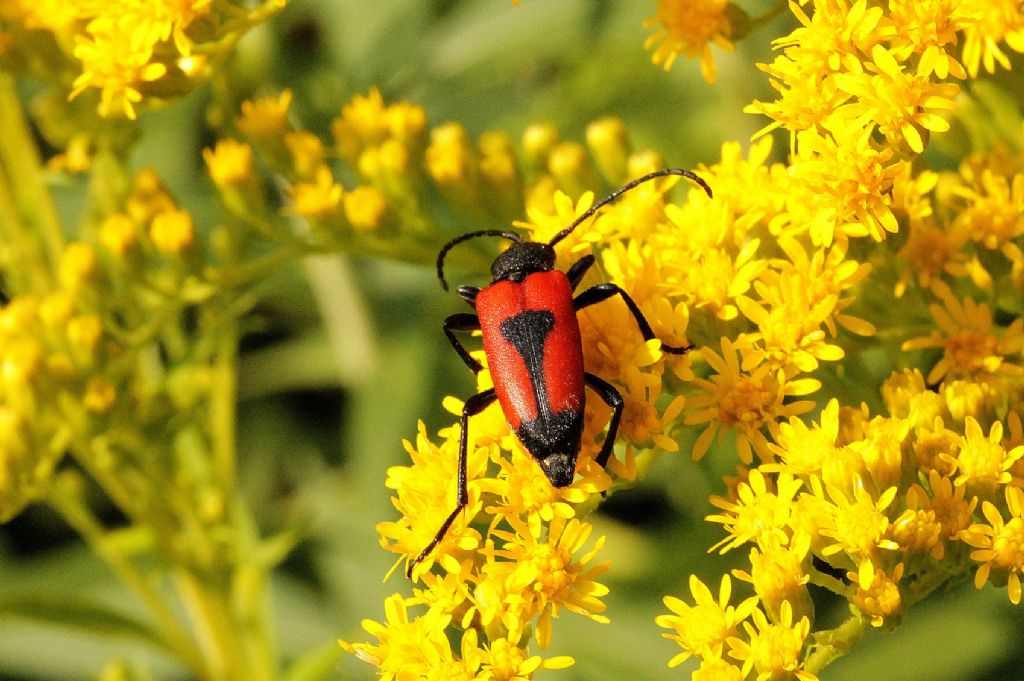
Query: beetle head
(525, 257)
(521, 259)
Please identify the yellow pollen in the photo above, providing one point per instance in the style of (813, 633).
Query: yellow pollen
(930, 251)
(981, 461)
(859, 527)
(972, 350)
(748, 403)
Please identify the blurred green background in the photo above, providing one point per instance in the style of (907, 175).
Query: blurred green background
(345, 354)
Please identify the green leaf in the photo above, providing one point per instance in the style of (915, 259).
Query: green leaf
(66, 610)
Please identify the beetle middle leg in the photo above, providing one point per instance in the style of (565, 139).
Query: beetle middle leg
(600, 292)
(613, 398)
(474, 405)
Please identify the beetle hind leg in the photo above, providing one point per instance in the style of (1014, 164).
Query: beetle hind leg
(613, 398)
(474, 405)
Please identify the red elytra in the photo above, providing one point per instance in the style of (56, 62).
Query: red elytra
(531, 338)
(552, 381)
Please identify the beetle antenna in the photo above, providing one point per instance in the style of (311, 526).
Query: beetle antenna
(625, 188)
(511, 236)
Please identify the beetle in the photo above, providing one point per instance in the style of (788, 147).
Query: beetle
(531, 338)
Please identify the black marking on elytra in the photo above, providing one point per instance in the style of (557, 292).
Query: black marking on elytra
(553, 439)
(527, 332)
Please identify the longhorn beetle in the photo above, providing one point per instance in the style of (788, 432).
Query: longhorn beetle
(531, 338)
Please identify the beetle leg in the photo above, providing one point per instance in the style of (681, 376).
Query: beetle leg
(468, 293)
(613, 398)
(579, 268)
(463, 321)
(600, 292)
(474, 405)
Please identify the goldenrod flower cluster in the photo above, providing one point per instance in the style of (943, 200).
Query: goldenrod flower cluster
(128, 51)
(783, 280)
(868, 241)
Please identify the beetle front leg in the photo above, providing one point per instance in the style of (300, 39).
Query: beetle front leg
(601, 292)
(613, 398)
(463, 321)
(578, 269)
(474, 405)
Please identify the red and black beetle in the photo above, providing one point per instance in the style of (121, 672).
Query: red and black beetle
(531, 338)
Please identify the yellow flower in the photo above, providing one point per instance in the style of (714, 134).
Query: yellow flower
(758, 513)
(702, 628)
(547, 575)
(802, 449)
(266, 118)
(927, 28)
(999, 545)
(859, 526)
(230, 162)
(406, 647)
(971, 349)
(100, 394)
(881, 450)
(78, 266)
(804, 74)
(569, 165)
(83, 333)
(982, 463)
(935, 448)
(306, 152)
(608, 140)
(778, 575)
(947, 501)
(319, 199)
(744, 400)
(117, 72)
(504, 660)
(689, 27)
(773, 649)
(365, 208)
(426, 496)
(918, 530)
(148, 197)
(716, 669)
(363, 123)
(842, 183)
(932, 251)
(172, 231)
(898, 103)
(452, 164)
(124, 46)
(119, 234)
(798, 299)
(994, 214)
(523, 489)
(877, 593)
(985, 23)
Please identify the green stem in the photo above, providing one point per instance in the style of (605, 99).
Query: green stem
(828, 582)
(834, 643)
(214, 626)
(78, 516)
(27, 213)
